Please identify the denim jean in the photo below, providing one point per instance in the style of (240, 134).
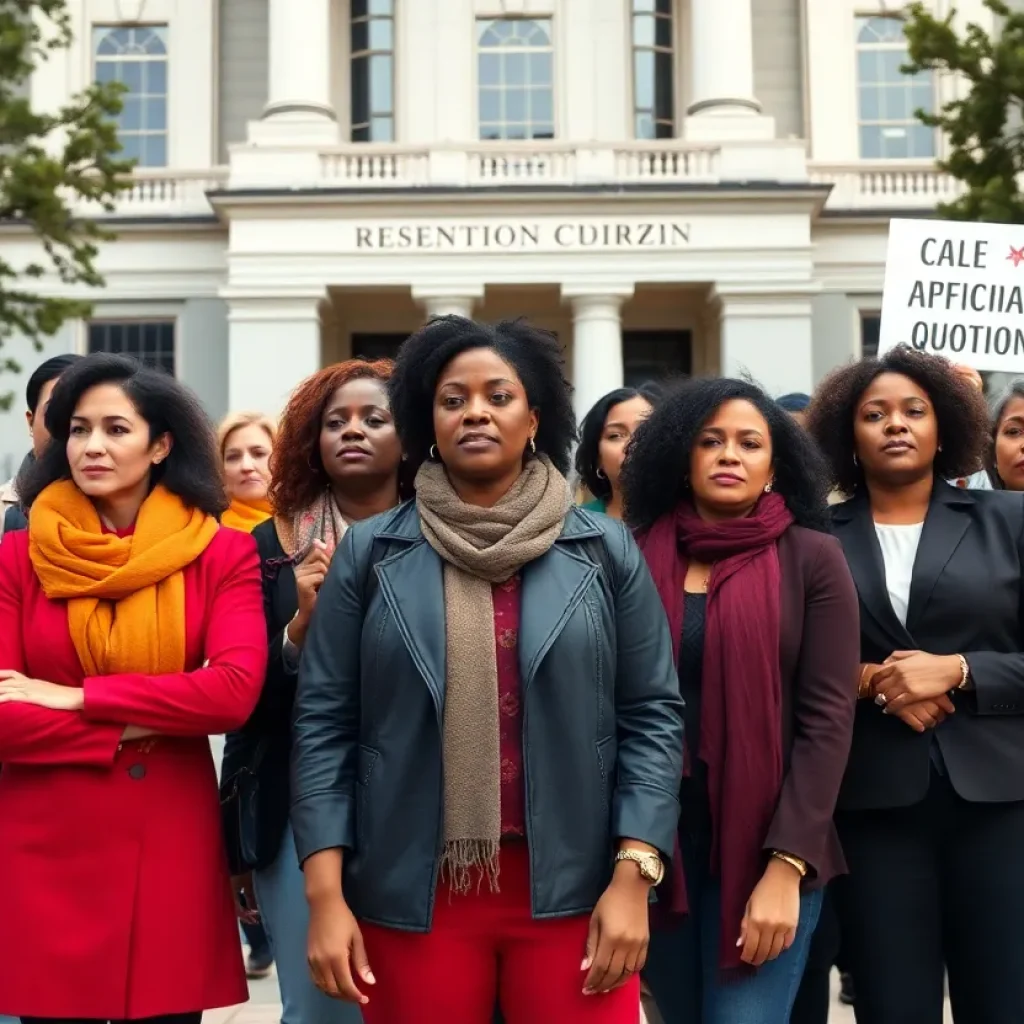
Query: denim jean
(682, 968)
(281, 895)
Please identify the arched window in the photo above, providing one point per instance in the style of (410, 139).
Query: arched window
(137, 57)
(515, 67)
(373, 74)
(653, 70)
(887, 98)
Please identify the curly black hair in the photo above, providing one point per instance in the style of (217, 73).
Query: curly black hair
(588, 453)
(534, 354)
(192, 468)
(658, 458)
(959, 408)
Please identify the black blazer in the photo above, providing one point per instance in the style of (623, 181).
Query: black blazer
(603, 729)
(271, 721)
(965, 598)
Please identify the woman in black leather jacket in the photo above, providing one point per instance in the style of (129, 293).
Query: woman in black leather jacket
(488, 733)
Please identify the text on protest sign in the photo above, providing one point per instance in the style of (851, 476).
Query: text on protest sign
(956, 290)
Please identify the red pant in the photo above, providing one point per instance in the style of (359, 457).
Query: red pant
(484, 947)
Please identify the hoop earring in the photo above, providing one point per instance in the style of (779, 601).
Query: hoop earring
(856, 461)
(599, 473)
(533, 446)
(433, 452)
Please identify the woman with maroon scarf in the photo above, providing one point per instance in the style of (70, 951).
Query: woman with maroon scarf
(764, 618)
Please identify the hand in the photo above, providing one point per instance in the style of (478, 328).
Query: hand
(926, 714)
(773, 911)
(246, 905)
(309, 577)
(907, 677)
(19, 688)
(335, 951)
(137, 732)
(619, 932)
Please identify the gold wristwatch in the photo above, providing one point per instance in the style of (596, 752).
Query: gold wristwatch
(652, 869)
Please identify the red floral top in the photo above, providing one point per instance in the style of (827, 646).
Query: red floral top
(510, 709)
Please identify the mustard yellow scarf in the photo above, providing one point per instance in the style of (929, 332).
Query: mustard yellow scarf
(246, 515)
(125, 595)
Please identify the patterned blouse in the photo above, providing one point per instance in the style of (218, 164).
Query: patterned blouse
(510, 709)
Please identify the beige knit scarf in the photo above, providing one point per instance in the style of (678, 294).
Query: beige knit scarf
(480, 547)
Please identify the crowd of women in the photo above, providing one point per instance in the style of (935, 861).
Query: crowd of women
(455, 786)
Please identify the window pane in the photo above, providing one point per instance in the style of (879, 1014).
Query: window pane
(106, 71)
(360, 36)
(664, 86)
(664, 7)
(663, 33)
(131, 114)
(922, 141)
(515, 68)
(381, 35)
(490, 132)
(154, 150)
(868, 70)
(359, 9)
(869, 105)
(543, 131)
(541, 106)
(870, 142)
(643, 126)
(130, 146)
(642, 5)
(130, 72)
(489, 66)
(923, 95)
(540, 68)
(515, 105)
(891, 61)
(383, 129)
(360, 98)
(380, 84)
(643, 31)
(154, 79)
(382, 7)
(490, 105)
(361, 133)
(155, 113)
(643, 80)
(665, 130)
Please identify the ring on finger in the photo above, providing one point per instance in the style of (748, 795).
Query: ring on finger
(881, 700)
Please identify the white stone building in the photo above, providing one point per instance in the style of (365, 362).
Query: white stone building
(669, 185)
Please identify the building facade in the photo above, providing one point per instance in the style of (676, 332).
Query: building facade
(668, 185)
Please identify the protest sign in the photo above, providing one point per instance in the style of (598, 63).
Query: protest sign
(956, 290)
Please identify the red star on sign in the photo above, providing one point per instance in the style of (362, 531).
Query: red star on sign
(1017, 255)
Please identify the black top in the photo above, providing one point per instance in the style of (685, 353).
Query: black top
(965, 598)
(695, 809)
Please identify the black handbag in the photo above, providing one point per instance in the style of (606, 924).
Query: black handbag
(239, 803)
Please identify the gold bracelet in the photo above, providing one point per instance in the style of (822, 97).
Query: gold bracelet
(794, 862)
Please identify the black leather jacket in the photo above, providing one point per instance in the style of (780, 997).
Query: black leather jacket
(603, 733)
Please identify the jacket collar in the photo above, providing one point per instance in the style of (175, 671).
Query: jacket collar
(945, 523)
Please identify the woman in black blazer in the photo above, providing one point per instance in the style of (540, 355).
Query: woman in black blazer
(931, 812)
(336, 461)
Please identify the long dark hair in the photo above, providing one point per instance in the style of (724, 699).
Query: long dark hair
(658, 462)
(191, 470)
(588, 457)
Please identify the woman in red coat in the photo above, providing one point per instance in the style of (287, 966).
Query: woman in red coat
(131, 628)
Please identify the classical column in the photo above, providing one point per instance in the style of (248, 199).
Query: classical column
(596, 342)
(273, 345)
(448, 302)
(767, 334)
(299, 97)
(722, 101)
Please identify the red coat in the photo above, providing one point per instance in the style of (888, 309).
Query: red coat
(115, 900)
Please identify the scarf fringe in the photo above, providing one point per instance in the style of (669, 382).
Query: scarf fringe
(464, 858)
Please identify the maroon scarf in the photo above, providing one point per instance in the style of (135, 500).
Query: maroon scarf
(741, 687)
